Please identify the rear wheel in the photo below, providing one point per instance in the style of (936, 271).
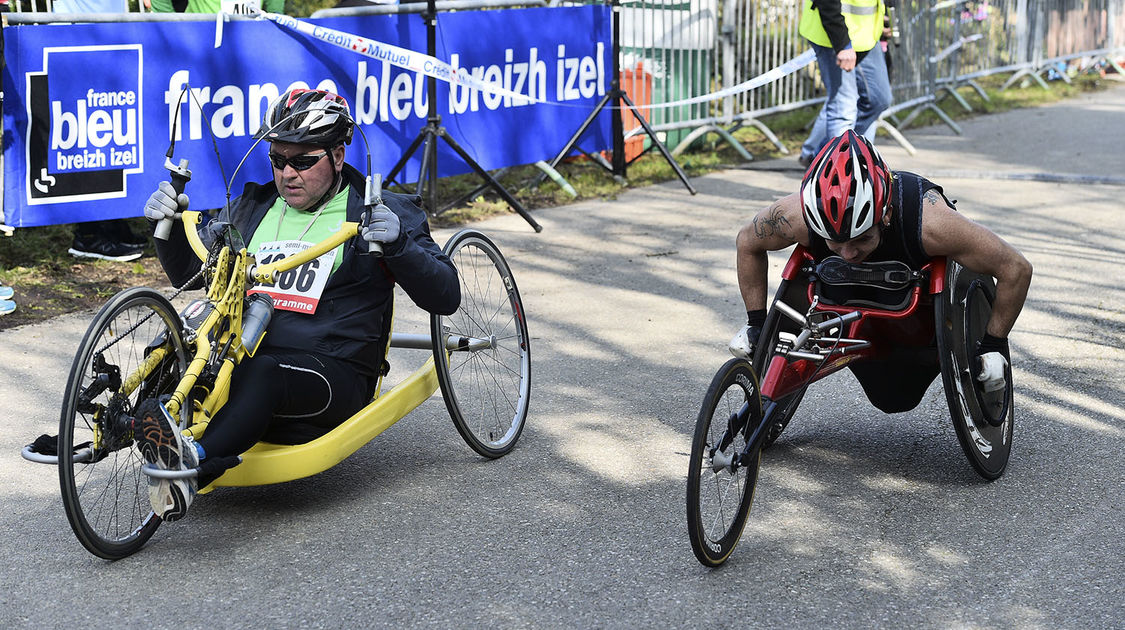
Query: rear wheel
(983, 421)
(482, 352)
(133, 350)
(721, 481)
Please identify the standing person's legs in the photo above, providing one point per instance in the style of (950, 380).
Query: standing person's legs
(842, 109)
(874, 88)
(840, 106)
(817, 137)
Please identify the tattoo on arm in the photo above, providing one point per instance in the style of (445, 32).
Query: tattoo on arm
(931, 197)
(771, 223)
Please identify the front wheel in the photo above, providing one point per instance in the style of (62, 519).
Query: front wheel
(482, 352)
(721, 477)
(133, 350)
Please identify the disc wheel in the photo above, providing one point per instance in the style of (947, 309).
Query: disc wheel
(721, 481)
(778, 334)
(132, 350)
(983, 421)
(482, 352)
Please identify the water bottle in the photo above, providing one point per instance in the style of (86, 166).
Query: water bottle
(255, 319)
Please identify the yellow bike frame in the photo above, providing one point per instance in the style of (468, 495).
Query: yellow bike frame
(267, 463)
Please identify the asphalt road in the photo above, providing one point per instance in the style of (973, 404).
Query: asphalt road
(861, 520)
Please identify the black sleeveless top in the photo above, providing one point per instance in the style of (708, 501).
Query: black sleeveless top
(902, 239)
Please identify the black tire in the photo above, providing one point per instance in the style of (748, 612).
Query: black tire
(106, 495)
(718, 500)
(486, 390)
(775, 333)
(961, 314)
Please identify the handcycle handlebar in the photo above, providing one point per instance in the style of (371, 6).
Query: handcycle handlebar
(267, 274)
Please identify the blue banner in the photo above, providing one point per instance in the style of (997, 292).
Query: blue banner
(89, 108)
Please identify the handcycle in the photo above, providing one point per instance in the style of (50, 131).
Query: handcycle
(825, 317)
(138, 348)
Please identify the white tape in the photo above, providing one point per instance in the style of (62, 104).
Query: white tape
(789, 67)
(396, 56)
(434, 67)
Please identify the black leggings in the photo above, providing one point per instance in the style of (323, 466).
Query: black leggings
(285, 398)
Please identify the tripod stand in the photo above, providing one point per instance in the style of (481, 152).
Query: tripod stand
(616, 95)
(428, 135)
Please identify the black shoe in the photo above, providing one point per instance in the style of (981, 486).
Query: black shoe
(805, 160)
(103, 248)
(125, 234)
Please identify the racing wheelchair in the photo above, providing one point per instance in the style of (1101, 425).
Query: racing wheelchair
(138, 349)
(825, 317)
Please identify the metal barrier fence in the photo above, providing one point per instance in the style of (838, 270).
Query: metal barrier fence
(672, 50)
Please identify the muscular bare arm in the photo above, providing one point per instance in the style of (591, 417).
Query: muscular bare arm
(777, 227)
(946, 232)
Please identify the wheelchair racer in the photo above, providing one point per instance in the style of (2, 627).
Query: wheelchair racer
(320, 361)
(853, 206)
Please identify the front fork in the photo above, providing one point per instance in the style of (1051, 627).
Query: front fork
(739, 423)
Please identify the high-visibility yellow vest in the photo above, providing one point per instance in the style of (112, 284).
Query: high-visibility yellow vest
(863, 17)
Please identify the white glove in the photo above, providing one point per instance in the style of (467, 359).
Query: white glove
(164, 204)
(742, 346)
(991, 375)
(384, 227)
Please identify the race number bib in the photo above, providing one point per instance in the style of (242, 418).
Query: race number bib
(298, 289)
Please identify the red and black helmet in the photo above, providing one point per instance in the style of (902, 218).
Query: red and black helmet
(312, 117)
(847, 188)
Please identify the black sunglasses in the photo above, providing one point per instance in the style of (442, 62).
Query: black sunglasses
(302, 162)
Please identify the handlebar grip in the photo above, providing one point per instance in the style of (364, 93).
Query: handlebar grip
(372, 197)
(180, 177)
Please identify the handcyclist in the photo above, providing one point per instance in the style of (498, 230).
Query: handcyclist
(851, 205)
(320, 361)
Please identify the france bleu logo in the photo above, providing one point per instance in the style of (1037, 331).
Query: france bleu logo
(85, 127)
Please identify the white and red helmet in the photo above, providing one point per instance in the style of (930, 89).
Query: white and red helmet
(302, 116)
(847, 189)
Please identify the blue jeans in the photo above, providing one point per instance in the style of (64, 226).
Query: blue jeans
(855, 99)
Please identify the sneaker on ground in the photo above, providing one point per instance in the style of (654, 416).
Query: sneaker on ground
(805, 160)
(6, 293)
(162, 445)
(126, 236)
(7, 306)
(98, 247)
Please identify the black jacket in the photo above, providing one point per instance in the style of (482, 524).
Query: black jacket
(348, 323)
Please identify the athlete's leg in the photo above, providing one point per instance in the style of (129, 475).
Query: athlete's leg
(290, 387)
